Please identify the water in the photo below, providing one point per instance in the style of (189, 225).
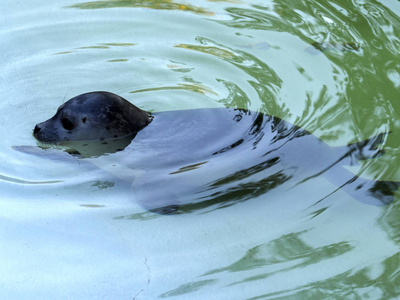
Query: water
(70, 229)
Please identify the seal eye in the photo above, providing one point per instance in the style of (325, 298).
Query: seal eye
(67, 124)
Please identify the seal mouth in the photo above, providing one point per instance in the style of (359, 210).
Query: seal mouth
(47, 145)
(88, 148)
(40, 138)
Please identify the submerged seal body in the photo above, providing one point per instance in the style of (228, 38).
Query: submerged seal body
(214, 157)
(92, 116)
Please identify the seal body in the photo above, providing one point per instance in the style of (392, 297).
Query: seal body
(209, 158)
(92, 116)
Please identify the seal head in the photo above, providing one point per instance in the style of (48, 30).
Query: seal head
(95, 116)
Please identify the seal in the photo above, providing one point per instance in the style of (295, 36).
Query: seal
(188, 160)
(95, 116)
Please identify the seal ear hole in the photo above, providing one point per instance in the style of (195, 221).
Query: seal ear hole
(67, 124)
(84, 120)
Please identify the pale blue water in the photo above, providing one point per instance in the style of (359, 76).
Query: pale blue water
(71, 229)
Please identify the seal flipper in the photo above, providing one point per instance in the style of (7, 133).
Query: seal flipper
(367, 149)
(384, 191)
(368, 191)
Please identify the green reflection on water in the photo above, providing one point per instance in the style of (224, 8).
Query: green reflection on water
(287, 253)
(360, 40)
(188, 288)
(154, 4)
(264, 80)
(352, 284)
(193, 87)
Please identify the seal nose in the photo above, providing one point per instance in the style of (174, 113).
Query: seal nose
(37, 129)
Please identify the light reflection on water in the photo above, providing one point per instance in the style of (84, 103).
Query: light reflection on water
(330, 68)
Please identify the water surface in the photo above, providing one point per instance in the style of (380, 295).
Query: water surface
(70, 229)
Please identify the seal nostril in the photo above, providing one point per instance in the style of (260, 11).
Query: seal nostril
(36, 130)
